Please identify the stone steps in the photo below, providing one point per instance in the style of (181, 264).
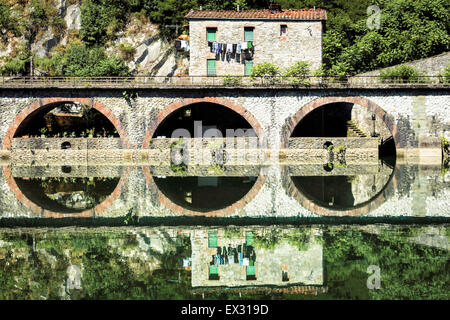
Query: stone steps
(355, 129)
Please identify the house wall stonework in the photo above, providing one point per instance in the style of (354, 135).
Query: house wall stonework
(303, 41)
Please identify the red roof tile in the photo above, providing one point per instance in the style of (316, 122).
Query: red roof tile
(285, 14)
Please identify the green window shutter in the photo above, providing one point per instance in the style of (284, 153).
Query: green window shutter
(211, 67)
(211, 34)
(248, 34)
(213, 270)
(212, 239)
(251, 270)
(249, 237)
(248, 67)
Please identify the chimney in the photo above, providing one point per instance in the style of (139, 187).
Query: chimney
(238, 8)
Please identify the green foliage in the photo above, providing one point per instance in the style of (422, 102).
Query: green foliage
(266, 72)
(127, 51)
(16, 65)
(402, 73)
(446, 74)
(298, 73)
(8, 21)
(400, 38)
(230, 80)
(169, 15)
(79, 60)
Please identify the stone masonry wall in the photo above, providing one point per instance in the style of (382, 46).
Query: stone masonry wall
(302, 42)
(412, 114)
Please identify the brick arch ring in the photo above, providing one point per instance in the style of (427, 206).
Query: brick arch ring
(227, 211)
(360, 210)
(294, 120)
(52, 214)
(48, 102)
(158, 119)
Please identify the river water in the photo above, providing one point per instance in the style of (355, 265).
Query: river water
(302, 231)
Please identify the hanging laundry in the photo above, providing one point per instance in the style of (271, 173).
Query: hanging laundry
(244, 45)
(249, 44)
(178, 44)
(186, 49)
(239, 48)
(183, 44)
(234, 47)
(229, 48)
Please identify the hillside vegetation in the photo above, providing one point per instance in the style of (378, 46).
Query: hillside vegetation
(408, 30)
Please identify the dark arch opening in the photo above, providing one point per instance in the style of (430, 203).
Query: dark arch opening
(212, 116)
(204, 194)
(67, 194)
(344, 119)
(342, 192)
(66, 119)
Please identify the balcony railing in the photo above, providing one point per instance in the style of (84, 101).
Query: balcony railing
(216, 81)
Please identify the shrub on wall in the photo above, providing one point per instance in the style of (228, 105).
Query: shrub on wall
(298, 73)
(230, 80)
(402, 73)
(265, 72)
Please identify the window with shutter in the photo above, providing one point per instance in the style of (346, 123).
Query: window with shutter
(248, 67)
(211, 34)
(212, 239)
(211, 67)
(249, 34)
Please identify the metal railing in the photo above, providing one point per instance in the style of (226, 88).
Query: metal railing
(215, 81)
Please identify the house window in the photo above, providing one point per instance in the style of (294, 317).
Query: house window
(211, 34)
(212, 239)
(283, 30)
(249, 34)
(214, 273)
(248, 67)
(250, 272)
(284, 276)
(211, 67)
(249, 238)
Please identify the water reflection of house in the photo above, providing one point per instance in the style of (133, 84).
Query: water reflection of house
(243, 262)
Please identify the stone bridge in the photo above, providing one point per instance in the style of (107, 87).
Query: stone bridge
(416, 116)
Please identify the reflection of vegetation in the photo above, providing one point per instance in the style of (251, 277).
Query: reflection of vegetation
(233, 233)
(67, 194)
(178, 168)
(27, 273)
(34, 265)
(299, 238)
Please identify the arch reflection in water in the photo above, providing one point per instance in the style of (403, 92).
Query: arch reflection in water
(67, 194)
(355, 190)
(207, 193)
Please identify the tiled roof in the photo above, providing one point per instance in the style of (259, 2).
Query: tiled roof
(285, 14)
(296, 289)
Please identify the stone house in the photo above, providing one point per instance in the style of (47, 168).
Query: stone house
(229, 42)
(238, 261)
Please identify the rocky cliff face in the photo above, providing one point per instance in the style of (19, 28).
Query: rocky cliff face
(148, 53)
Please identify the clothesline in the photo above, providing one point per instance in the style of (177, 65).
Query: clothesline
(219, 47)
(182, 45)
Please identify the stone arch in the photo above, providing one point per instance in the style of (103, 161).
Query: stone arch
(294, 120)
(156, 121)
(359, 210)
(48, 103)
(7, 172)
(241, 203)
